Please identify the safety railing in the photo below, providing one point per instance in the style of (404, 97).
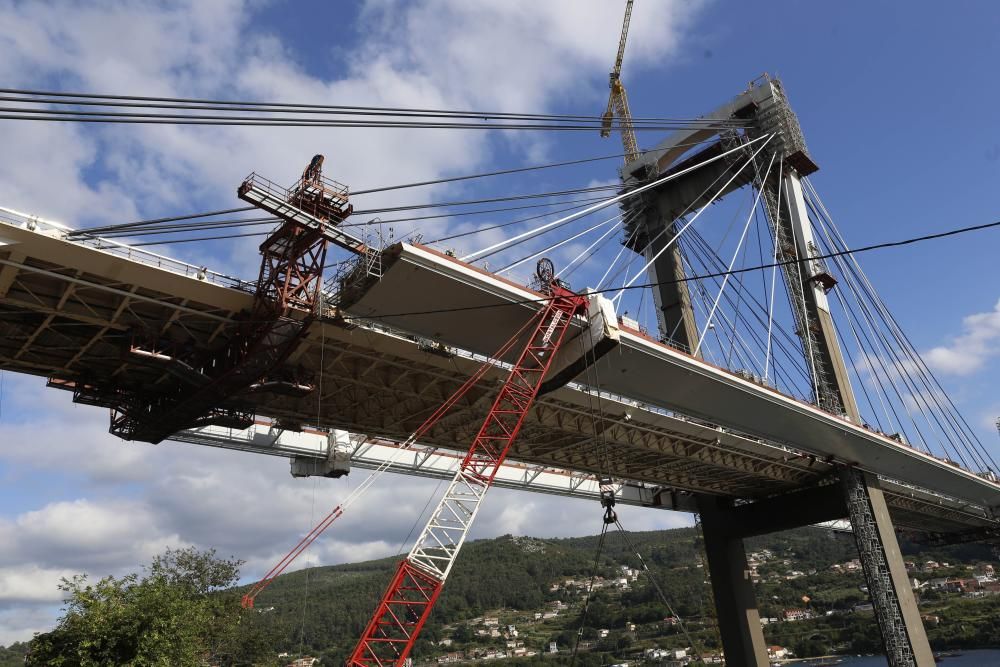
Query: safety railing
(36, 224)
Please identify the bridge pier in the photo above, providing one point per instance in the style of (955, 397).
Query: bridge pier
(858, 497)
(735, 602)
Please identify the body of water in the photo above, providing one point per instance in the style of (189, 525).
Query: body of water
(987, 658)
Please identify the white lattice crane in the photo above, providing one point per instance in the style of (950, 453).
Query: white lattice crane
(618, 100)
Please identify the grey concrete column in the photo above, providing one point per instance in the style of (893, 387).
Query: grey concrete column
(735, 601)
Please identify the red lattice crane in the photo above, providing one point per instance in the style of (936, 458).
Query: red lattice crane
(419, 578)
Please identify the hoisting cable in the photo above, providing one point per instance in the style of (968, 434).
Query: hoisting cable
(605, 487)
(590, 589)
(663, 597)
(337, 511)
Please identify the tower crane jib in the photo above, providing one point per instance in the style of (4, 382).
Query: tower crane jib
(618, 99)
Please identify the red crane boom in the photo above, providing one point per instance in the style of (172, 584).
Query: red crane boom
(419, 578)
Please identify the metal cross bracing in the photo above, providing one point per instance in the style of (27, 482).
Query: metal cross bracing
(876, 568)
(203, 378)
(409, 599)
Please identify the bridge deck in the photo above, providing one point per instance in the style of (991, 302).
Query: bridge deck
(67, 310)
(408, 297)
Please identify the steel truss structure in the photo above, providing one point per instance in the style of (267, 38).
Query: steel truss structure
(876, 566)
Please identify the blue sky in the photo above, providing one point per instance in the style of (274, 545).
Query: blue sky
(895, 106)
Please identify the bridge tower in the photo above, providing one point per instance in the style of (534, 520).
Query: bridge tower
(654, 216)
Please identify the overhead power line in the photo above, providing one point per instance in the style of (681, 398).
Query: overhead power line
(7, 113)
(132, 101)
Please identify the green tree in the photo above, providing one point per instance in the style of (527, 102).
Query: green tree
(177, 613)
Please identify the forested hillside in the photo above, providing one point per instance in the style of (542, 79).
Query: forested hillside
(514, 597)
(322, 611)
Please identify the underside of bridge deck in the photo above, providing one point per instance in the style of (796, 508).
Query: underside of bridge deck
(69, 321)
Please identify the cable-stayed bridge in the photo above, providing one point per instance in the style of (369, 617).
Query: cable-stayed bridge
(715, 396)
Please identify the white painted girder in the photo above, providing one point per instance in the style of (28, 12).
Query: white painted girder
(422, 461)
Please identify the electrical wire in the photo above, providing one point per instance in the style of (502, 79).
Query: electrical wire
(59, 116)
(81, 99)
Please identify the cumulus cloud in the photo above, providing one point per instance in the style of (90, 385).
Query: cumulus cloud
(969, 352)
(242, 505)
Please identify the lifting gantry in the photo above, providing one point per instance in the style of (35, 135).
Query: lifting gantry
(205, 387)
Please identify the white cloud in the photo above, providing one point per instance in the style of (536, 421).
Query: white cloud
(969, 352)
(243, 505)
(30, 583)
(134, 500)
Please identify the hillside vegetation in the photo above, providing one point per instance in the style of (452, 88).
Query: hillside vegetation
(322, 611)
(515, 597)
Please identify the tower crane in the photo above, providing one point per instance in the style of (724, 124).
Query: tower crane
(618, 100)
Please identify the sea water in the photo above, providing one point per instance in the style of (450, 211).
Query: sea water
(987, 658)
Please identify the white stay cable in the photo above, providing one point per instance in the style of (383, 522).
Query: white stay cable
(635, 231)
(732, 262)
(879, 389)
(603, 204)
(956, 418)
(669, 243)
(587, 250)
(774, 269)
(615, 218)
